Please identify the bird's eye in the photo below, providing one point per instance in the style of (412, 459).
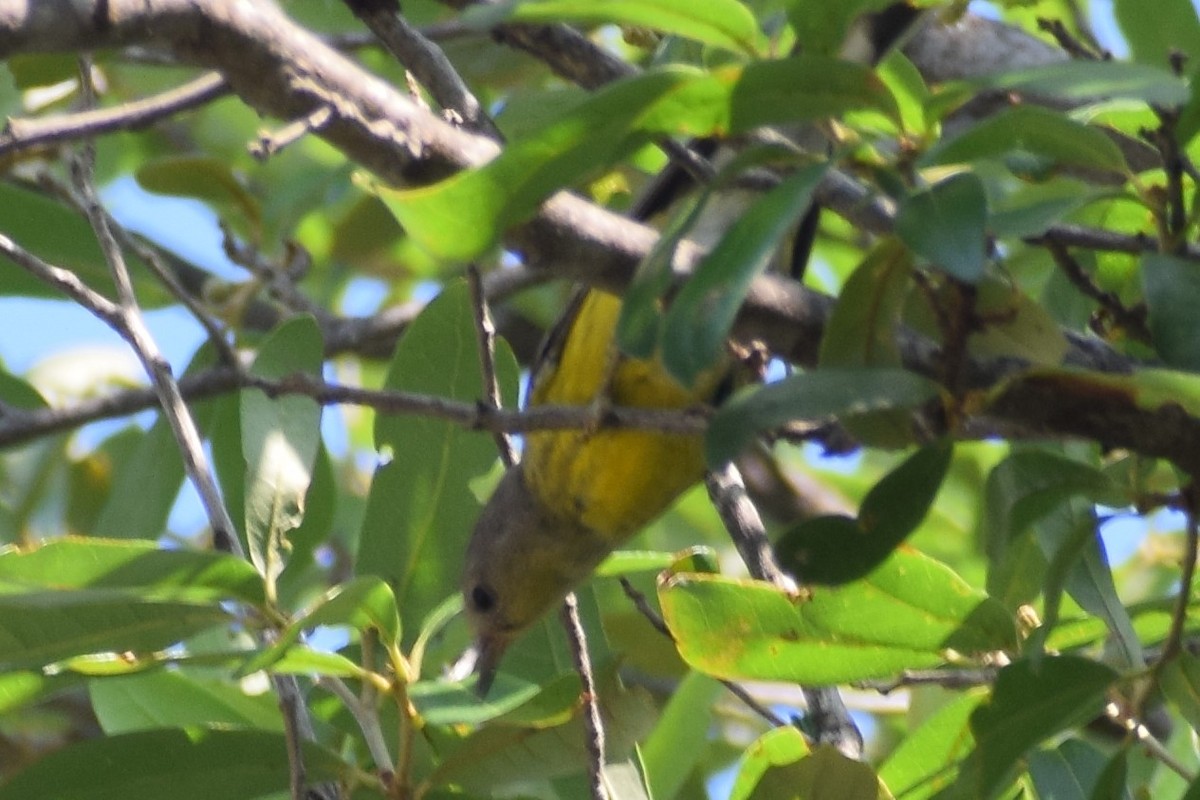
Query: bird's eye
(483, 599)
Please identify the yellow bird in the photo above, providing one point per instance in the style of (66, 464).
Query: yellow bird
(577, 494)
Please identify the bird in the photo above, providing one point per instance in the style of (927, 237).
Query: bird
(577, 494)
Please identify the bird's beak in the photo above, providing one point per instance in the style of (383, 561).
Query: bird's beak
(489, 649)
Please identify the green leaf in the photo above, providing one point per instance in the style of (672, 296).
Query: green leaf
(1173, 27)
(139, 567)
(823, 27)
(701, 316)
(640, 323)
(861, 331)
(946, 224)
(1172, 290)
(1093, 80)
(1026, 487)
(280, 437)
(834, 550)
(515, 749)
(816, 395)
(904, 615)
(208, 179)
(21, 688)
(420, 510)
(722, 23)
(144, 489)
(174, 699)
(463, 216)
(1030, 130)
(365, 602)
(927, 758)
(677, 744)
(1018, 326)
(1180, 682)
(194, 764)
(776, 747)
(58, 235)
(43, 627)
(826, 774)
(1029, 704)
(1070, 771)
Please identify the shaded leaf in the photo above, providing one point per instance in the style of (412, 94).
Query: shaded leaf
(194, 764)
(701, 316)
(946, 224)
(813, 396)
(1172, 289)
(833, 550)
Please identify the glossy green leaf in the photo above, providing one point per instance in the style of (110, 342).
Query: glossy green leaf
(625, 562)
(776, 747)
(138, 567)
(362, 603)
(701, 316)
(463, 216)
(816, 395)
(1030, 130)
(280, 437)
(946, 224)
(175, 699)
(193, 764)
(722, 23)
(1172, 290)
(926, 760)
(903, 615)
(1029, 704)
(1094, 80)
(833, 550)
(420, 509)
(41, 627)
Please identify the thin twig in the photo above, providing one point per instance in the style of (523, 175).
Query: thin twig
(367, 719)
(945, 678)
(269, 144)
(153, 260)
(24, 134)
(592, 724)
(1133, 321)
(129, 324)
(1174, 641)
(486, 331)
(1146, 738)
(827, 717)
(426, 61)
(737, 690)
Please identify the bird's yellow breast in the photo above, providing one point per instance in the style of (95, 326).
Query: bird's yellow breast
(611, 481)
